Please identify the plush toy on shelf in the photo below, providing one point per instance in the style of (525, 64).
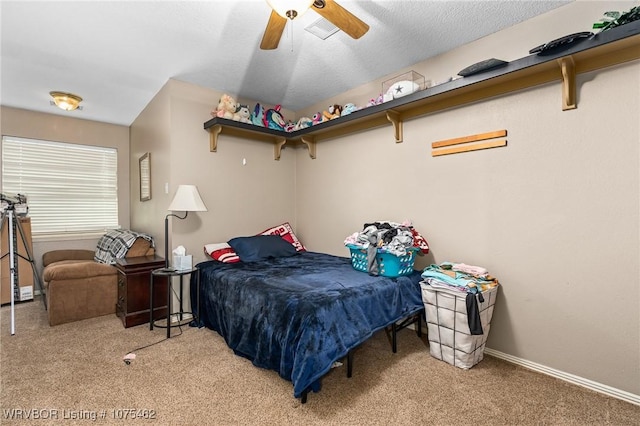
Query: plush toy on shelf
(242, 114)
(226, 107)
(317, 118)
(289, 126)
(302, 123)
(257, 115)
(348, 109)
(273, 119)
(332, 113)
(376, 101)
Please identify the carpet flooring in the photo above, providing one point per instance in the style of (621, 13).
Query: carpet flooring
(75, 374)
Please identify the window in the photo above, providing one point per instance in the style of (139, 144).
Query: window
(70, 188)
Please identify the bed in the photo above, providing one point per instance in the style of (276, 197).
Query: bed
(299, 314)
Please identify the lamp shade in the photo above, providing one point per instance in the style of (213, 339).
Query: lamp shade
(290, 8)
(187, 199)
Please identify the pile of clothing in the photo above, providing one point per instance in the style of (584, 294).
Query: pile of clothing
(389, 237)
(462, 278)
(386, 237)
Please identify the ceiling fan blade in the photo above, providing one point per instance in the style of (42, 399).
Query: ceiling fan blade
(273, 32)
(342, 18)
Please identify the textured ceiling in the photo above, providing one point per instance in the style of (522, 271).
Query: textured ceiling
(117, 55)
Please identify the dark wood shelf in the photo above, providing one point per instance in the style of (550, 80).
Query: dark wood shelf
(606, 49)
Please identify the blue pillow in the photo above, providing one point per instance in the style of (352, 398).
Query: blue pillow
(261, 247)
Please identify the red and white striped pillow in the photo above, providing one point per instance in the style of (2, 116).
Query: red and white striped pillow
(222, 252)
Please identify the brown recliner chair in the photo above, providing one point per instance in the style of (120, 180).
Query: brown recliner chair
(77, 287)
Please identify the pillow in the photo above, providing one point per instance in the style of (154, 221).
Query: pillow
(261, 247)
(222, 252)
(286, 232)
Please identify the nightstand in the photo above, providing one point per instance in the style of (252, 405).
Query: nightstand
(134, 274)
(168, 274)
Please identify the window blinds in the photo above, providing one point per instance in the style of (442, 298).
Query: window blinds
(70, 188)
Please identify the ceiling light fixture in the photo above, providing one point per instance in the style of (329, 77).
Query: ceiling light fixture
(290, 8)
(66, 101)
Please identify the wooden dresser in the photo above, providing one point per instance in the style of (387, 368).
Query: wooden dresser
(134, 275)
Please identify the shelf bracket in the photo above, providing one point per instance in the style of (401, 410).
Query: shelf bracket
(214, 131)
(394, 118)
(310, 141)
(567, 67)
(277, 147)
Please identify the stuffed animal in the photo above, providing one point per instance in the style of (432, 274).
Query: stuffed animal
(303, 123)
(289, 126)
(376, 101)
(332, 113)
(348, 109)
(226, 107)
(242, 114)
(257, 115)
(273, 119)
(317, 118)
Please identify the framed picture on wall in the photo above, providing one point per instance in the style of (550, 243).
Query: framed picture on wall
(145, 177)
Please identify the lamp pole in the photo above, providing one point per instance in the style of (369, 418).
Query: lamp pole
(166, 237)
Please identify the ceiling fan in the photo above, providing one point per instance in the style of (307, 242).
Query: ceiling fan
(290, 9)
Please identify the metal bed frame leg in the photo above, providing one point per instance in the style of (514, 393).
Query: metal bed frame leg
(394, 339)
(305, 393)
(416, 317)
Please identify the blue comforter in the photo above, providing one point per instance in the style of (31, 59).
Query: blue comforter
(297, 315)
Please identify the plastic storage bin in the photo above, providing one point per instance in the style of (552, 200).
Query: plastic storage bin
(389, 265)
(402, 85)
(450, 339)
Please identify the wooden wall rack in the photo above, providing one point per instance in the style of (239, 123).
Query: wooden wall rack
(612, 47)
(469, 143)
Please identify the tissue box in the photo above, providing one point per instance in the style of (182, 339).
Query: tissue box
(182, 263)
(403, 85)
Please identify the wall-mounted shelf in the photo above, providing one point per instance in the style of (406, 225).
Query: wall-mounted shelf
(612, 47)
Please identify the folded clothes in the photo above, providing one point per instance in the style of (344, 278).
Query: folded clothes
(478, 271)
(441, 285)
(456, 278)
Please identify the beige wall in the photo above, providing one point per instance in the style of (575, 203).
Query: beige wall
(241, 199)
(36, 125)
(554, 215)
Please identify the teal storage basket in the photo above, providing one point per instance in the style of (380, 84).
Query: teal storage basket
(389, 265)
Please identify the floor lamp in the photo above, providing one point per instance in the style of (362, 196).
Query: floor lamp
(187, 199)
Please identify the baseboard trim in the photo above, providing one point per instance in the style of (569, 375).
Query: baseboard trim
(567, 377)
